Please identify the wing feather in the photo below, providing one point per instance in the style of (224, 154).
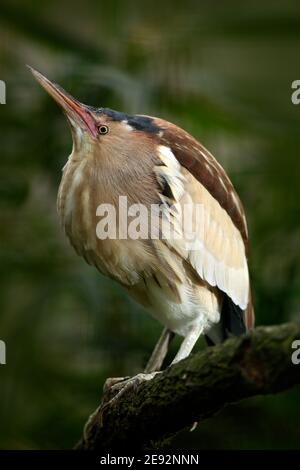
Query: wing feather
(218, 252)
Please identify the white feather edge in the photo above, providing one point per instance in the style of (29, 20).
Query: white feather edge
(233, 281)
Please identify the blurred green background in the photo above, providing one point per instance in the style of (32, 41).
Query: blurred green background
(223, 71)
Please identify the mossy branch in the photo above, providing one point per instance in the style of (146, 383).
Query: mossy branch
(195, 389)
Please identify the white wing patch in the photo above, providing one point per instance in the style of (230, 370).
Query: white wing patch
(169, 172)
(217, 252)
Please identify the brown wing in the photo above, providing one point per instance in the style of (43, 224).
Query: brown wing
(206, 170)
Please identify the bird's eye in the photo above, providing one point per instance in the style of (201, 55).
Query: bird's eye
(103, 129)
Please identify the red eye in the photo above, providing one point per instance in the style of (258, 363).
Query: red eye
(103, 129)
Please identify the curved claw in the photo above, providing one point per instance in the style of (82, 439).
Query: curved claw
(119, 388)
(114, 388)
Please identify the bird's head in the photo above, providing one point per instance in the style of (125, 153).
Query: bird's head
(100, 131)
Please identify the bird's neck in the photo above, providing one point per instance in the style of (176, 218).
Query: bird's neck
(87, 183)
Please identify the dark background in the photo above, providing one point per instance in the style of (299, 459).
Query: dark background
(223, 71)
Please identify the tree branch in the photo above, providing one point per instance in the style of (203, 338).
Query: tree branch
(195, 389)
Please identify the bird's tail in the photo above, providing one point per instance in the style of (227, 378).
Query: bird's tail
(234, 321)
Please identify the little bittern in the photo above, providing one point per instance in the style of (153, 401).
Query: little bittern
(200, 287)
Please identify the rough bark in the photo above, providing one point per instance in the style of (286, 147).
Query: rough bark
(195, 389)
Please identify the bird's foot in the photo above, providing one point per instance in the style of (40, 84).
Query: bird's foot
(111, 382)
(113, 389)
(107, 396)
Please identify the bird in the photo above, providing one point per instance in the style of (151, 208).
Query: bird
(193, 288)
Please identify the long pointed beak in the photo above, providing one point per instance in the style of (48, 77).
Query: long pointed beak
(75, 110)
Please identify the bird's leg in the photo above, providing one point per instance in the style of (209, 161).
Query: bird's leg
(158, 355)
(188, 343)
(185, 349)
(160, 351)
(115, 387)
(155, 362)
